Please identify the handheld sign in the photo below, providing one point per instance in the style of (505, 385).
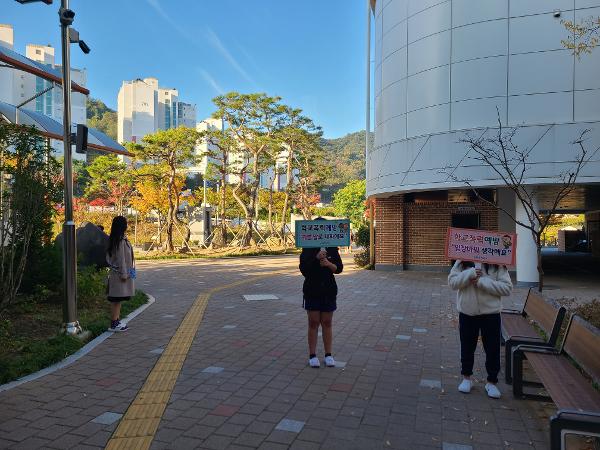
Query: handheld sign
(492, 247)
(323, 233)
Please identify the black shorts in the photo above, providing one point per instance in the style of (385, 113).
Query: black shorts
(118, 299)
(322, 304)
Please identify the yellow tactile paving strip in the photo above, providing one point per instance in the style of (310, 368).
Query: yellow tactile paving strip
(139, 424)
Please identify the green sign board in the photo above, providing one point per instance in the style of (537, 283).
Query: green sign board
(323, 233)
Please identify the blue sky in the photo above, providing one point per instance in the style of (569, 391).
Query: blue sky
(309, 52)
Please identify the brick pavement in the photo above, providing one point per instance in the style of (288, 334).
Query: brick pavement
(245, 383)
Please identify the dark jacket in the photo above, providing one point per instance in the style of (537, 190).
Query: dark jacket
(319, 281)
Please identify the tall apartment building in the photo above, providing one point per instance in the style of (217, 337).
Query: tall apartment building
(186, 114)
(17, 86)
(144, 108)
(203, 147)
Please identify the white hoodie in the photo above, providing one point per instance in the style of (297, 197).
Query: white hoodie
(483, 298)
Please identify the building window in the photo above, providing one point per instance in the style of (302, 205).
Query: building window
(39, 102)
(38, 52)
(167, 117)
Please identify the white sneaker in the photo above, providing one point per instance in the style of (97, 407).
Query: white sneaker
(329, 361)
(492, 390)
(314, 362)
(465, 386)
(119, 327)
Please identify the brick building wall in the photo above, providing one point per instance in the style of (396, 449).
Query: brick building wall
(414, 234)
(389, 230)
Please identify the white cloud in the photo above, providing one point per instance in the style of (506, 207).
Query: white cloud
(212, 37)
(210, 80)
(220, 47)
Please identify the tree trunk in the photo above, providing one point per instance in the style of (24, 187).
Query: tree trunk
(221, 233)
(171, 213)
(288, 191)
(270, 219)
(247, 236)
(539, 264)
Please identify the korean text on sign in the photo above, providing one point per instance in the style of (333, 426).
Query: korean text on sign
(322, 233)
(490, 247)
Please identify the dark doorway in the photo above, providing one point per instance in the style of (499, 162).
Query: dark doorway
(465, 221)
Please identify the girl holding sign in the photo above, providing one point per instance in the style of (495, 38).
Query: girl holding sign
(319, 297)
(480, 289)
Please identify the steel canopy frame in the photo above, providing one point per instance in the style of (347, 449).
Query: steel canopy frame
(20, 62)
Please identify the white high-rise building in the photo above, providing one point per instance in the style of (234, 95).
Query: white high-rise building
(7, 75)
(16, 86)
(203, 147)
(144, 108)
(186, 115)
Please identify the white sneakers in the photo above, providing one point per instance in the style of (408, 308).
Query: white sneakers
(465, 386)
(491, 389)
(117, 326)
(314, 362)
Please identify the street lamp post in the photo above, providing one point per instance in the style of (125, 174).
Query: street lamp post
(71, 323)
(68, 36)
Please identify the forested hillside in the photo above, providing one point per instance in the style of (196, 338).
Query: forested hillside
(347, 157)
(102, 117)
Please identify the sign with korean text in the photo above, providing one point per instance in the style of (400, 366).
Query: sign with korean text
(323, 233)
(492, 247)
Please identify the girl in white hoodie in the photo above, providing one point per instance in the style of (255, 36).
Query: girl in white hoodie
(479, 305)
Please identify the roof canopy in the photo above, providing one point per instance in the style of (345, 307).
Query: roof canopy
(44, 71)
(53, 129)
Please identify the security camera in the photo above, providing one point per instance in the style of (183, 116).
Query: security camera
(557, 13)
(66, 16)
(84, 47)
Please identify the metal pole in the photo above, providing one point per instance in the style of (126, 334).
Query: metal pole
(367, 132)
(71, 324)
(368, 88)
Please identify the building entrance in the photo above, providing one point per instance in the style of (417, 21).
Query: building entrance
(466, 221)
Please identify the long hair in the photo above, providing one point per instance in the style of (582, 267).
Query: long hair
(117, 233)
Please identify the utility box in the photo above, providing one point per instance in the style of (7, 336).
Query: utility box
(201, 225)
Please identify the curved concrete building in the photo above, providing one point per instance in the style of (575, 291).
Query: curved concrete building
(447, 69)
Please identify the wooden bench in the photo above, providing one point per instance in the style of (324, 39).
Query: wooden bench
(517, 328)
(577, 401)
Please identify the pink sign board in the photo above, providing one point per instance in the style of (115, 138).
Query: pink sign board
(492, 247)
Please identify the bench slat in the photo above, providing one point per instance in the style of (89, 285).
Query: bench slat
(543, 311)
(565, 384)
(582, 343)
(517, 325)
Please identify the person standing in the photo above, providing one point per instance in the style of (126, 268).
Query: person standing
(479, 304)
(319, 297)
(121, 285)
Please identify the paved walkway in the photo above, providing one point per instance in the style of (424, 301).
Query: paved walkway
(241, 380)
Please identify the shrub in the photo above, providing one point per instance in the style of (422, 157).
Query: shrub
(590, 312)
(91, 284)
(363, 236)
(361, 258)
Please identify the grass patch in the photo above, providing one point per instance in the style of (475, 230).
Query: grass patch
(31, 338)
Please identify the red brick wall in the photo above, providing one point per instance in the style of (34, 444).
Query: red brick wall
(415, 233)
(389, 230)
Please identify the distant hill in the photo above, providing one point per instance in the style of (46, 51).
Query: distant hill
(347, 156)
(102, 117)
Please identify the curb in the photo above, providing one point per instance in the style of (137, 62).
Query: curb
(78, 354)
